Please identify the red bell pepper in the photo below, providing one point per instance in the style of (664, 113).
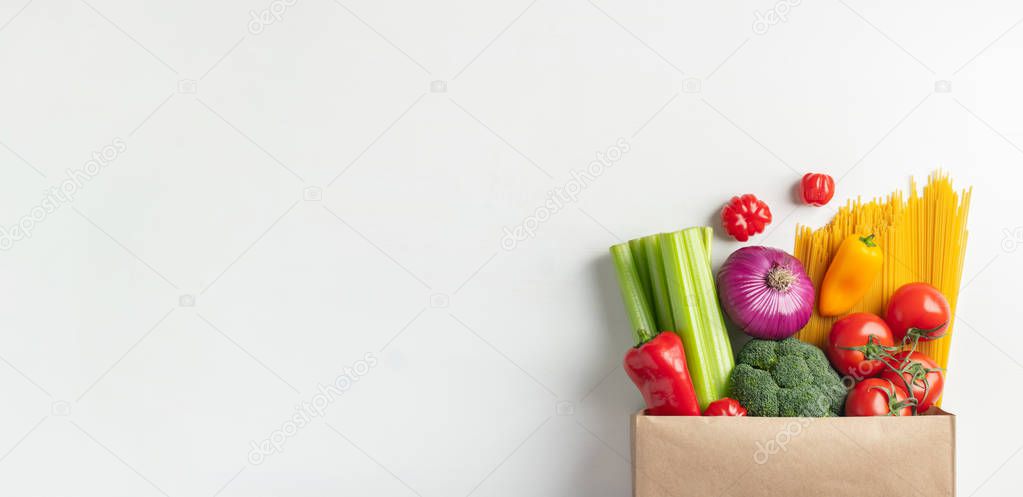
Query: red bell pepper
(745, 216)
(658, 368)
(817, 188)
(725, 407)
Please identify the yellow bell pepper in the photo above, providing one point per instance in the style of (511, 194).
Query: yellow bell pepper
(853, 269)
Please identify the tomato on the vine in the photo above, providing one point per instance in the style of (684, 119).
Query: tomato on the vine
(854, 337)
(921, 307)
(877, 397)
(921, 372)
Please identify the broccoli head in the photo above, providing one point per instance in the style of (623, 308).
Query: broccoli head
(786, 378)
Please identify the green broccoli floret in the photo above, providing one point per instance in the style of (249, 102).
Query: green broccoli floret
(761, 354)
(761, 392)
(786, 378)
(791, 371)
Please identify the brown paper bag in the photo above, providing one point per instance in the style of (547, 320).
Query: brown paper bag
(681, 456)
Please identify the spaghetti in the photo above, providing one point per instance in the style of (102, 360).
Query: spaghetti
(923, 238)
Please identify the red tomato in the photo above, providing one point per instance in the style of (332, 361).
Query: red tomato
(920, 306)
(856, 330)
(877, 397)
(725, 407)
(919, 367)
(817, 188)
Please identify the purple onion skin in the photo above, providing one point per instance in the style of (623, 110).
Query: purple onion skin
(766, 292)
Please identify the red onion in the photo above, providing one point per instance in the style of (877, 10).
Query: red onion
(766, 292)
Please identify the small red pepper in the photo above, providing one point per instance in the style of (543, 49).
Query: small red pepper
(817, 188)
(745, 216)
(658, 368)
(725, 407)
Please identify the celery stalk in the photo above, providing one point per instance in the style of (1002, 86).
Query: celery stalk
(708, 240)
(658, 286)
(695, 310)
(639, 256)
(636, 304)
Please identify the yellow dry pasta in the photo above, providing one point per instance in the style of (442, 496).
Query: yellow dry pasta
(923, 238)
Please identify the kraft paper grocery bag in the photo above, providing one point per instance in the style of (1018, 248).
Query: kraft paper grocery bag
(886, 456)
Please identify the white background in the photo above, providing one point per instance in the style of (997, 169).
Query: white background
(196, 290)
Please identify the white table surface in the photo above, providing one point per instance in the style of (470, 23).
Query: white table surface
(291, 197)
